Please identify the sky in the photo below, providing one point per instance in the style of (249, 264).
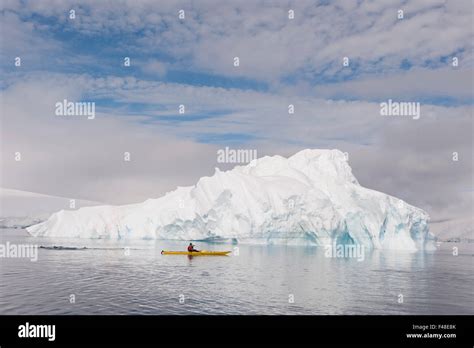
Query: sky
(75, 50)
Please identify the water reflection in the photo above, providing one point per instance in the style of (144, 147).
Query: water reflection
(260, 280)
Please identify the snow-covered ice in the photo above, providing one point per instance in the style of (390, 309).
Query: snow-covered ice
(311, 198)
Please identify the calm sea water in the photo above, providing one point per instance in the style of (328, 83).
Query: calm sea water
(260, 280)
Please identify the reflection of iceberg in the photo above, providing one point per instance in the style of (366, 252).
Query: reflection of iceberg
(309, 198)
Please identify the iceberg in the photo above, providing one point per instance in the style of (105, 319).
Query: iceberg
(310, 198)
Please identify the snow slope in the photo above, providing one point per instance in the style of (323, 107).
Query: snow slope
(20, 209)
(310, 198)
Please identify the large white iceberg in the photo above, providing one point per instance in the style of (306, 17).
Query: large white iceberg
(310, 198)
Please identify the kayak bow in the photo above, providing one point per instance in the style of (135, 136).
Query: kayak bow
(196, 253)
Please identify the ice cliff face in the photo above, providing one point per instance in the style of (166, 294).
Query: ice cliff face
(310, 198)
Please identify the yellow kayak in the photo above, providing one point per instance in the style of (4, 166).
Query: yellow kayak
(196, 253)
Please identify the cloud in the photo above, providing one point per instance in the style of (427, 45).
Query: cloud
(20, 39)
(154, 67)
(272, 47)
(79, 158)
(416, 84)
(84, 159)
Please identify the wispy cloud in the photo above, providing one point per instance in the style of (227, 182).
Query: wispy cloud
(271, 47)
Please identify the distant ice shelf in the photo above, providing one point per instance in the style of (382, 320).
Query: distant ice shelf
(310, 198)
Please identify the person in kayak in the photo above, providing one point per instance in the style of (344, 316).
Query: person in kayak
(191, 248)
